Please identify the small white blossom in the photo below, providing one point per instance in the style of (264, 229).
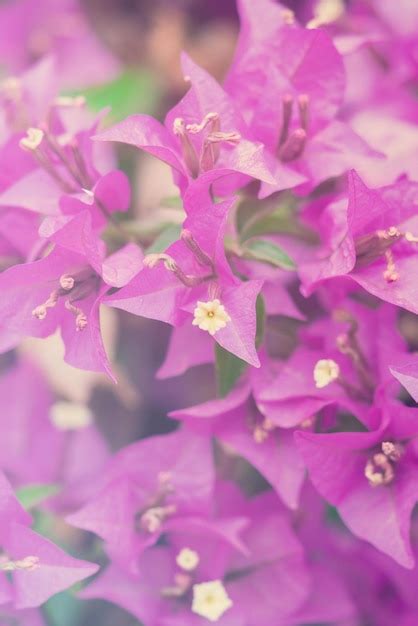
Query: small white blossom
(325, 372)
(210, 316)
(187, 559)
(210, 600)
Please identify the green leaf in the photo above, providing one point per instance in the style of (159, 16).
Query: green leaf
(333, 517)
(63, 609)
(168, 236)
(228, 369)
(32, 495)
(268, 252)
(261, 320)
(132, 92)
(266, 216)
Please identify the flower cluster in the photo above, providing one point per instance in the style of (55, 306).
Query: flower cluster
(281, 489)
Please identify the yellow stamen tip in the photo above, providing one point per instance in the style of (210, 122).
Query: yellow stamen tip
(33, 139)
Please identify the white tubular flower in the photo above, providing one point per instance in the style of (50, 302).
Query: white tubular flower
(325, 372)
(210, 316)
(187, 559)
(210, 600)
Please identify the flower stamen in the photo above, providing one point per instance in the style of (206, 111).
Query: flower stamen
(151, 260)
(29, 563)
(152, 519)
(80, 316)
(390, 274)
(380, 469)
(33, 139)
(77, 285)
(287, 108)
(182, 584)
(210, 119)
(189, 153)
(191, 243)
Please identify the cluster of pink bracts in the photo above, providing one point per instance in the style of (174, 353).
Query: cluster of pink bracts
(287, 498)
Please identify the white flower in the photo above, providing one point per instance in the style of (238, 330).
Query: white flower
(210, 316)
(210, 600)
(187, 559)
(325, 372)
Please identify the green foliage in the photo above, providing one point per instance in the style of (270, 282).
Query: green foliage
(268, 252)
(30, 496)
(228, 369)
(261, 320)
(133, 91)
(169, 235)
(64, 609)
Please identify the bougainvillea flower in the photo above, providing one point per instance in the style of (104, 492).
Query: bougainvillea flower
(204, 138)
(342, 362)
(289, 82)
(70, 173)
(37, 567)
(134, 501)
(198, 576)
(277, 302)
(64, 290)
(237, 421)
(109, 194)
(373, 241)
(370, 477)
(192, 283)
